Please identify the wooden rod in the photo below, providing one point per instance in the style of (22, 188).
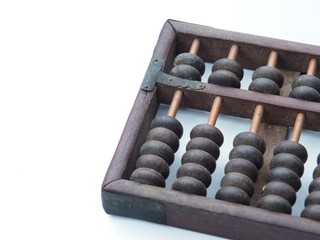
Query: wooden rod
(195, 46)
(297, 128)
(273, 58)
(233, 52)
(178, 95)
(215, 109)
(312, 67)
(256, 119)
(175, 103)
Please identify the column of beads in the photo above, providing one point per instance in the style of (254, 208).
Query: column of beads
(246, 158)
(162, 141)
(312, 202)
(307, 86)
(199, 161)
(287, 164)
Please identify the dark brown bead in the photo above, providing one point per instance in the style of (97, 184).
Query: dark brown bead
(155, 162)
(247, 152)
(274, 203)
(272, 73)
(148, 176)
(284, 175)
(168, 122)
(314, 185)
(243, 166)
(313, 198)
(264, 85)
(280, 189)
(229, 65)
(164, 135)
(305, 93)
(292, 147)
(186, 72)
(189, 185)
(195, 170)
(316, 172)
(311, 212)
(192, 60)
(307, 80)
(318, 159)
(224, 78)
(288, 160)
(204, 144)
(207, 131)
(238, 180)
(158, 148)
(200, 157)
(233, 194)
(252, 139)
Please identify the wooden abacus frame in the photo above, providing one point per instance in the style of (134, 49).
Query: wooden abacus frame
(123, 197)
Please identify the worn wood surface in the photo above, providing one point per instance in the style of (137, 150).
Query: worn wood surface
(219, 218)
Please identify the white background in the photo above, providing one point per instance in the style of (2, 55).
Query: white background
(69, 73)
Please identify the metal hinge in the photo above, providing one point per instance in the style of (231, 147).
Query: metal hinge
(155, 75)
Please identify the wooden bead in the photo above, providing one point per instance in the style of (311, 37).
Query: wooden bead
(189, 185)
(233, 194)
(204, 144)
(284, 175)
(264, 85)
(247, 152)
(164, 135)
(274, 203)
(271, 73)
(289, 161)
(311, 212)
(316, 172)
(314, 185)
(252, 139)
(238, 180)
(186, 72)
(305, 93)
(280, 189)
(158, 148)
(148, 176)
(243, 166)
(200, 157)
(307, 80)
(224, 78)
(168, 122)
(190, 59)
(155, 162)
(229, 65)
(313, 198)
(196, 171)
(291, 147)
(207, 131)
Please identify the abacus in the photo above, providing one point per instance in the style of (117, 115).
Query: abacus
(263, 173)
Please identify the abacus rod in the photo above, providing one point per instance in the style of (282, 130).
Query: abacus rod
(297, 128)
(298, 125)
(256, 119)
(233, 52)
(175, 103)
(178, 95)
(258, 111)
(215, 109)
(273, 58)
(312, 67)
(195, 46)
